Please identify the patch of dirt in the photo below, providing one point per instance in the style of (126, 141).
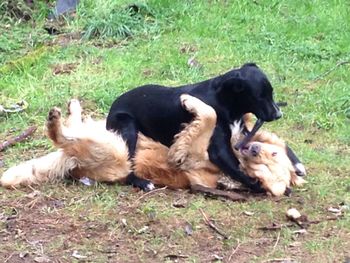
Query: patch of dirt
(187, 48)
(67, 68)
(65, 223)
(65, 39)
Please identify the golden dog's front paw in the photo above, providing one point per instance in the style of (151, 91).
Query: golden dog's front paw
(54, 114)
(187, 102)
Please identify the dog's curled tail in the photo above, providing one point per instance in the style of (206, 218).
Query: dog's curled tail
(51, 167)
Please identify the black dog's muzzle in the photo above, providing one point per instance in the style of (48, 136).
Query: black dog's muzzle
(249, 135)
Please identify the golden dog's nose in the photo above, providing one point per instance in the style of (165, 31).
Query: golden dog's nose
(255, 149)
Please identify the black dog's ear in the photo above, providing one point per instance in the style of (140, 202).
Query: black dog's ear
(250, 64)
(232, 84)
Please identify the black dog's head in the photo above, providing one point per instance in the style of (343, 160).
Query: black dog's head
(248, 90)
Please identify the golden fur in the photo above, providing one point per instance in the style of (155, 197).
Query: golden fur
(87, 149)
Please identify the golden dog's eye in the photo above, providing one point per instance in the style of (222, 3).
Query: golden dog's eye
(274, 154)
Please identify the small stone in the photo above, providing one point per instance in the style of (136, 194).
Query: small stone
(188, 229)
(293, 214)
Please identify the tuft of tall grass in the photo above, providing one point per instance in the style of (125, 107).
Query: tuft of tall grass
(109, 19)
(14, 10)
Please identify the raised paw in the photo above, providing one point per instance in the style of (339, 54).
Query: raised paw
(197, 107)
(187, 102)
(74, 106)
(54, 114)
(300, 169)
(178, 158)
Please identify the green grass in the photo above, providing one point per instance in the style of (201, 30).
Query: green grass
(294, 42)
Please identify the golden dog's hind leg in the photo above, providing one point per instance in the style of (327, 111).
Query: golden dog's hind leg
(189, 150)
(47, 168)
(74, 114)
(50, 167)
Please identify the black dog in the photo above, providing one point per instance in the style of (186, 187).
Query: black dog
(157, 113)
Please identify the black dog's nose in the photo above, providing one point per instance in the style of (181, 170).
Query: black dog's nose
(278, 114)
(255, 149)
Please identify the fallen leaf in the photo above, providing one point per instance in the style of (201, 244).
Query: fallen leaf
(188, 229)
(193, 63)
(34, 194)
(247, 213)
(23, 254)
(42, 259)
(174, 257)
(86, 181)
(334, 210)
(124, 222)
(295, 244)
(300, 231)
(142, 230)
(217, 257)
(180, 203)
(77, 255)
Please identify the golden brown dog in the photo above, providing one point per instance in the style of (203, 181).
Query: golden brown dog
(87, 149)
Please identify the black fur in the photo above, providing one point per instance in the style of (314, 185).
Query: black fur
(157, 113)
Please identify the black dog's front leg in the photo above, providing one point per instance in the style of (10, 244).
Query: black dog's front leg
(127, 128)
(221, 154)
(298, 166)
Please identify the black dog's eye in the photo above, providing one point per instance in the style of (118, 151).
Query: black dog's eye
(266, 92)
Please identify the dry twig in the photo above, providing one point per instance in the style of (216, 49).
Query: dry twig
(340, 63)
(9, 257)
(217, 193)
(234, 251)
(18, 138)
(275, 226)
(173, 256)
(212, 226)
(302, 225)
(279, 260)
(150, 192)
(278, 239)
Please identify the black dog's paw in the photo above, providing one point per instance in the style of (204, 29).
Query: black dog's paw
(256, 187)
(300, 169)
(54, 114)
(143, 184)
(288, 192)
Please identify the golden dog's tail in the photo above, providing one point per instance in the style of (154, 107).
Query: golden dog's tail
(51, 167)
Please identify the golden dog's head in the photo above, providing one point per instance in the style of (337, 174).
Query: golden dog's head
(269, 164)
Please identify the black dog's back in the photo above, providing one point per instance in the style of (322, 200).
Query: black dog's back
(156, 111)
